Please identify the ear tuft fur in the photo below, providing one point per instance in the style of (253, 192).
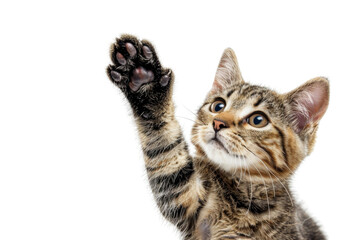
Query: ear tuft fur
(228, 72)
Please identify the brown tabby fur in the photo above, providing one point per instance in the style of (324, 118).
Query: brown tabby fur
(244, 195)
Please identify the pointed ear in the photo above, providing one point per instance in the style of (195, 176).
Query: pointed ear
(228, 72)
(308, 103)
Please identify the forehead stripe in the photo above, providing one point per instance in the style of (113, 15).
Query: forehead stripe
(261, 99)
(230, 93)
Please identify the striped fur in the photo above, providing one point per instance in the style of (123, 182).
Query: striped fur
(237, 188)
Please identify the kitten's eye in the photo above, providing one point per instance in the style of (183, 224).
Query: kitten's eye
(217, 106)
(257, 120)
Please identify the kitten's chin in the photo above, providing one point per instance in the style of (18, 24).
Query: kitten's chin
(219, 154)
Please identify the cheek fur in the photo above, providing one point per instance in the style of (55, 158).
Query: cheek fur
(280, 151)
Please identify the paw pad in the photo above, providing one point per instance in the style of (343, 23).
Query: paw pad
(139, 77)
(164, 80)
(130, 49)
(147, 52)
(120, 58)
(115, 76)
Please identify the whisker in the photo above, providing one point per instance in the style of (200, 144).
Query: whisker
(275, 177)
(289, 169)
(251, 195)
(188, 119)
(267, 196)
(193, 114)
(288, 193)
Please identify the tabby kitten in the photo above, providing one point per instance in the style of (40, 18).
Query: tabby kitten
(249, 140)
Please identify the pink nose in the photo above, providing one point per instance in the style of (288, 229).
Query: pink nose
(219, 124)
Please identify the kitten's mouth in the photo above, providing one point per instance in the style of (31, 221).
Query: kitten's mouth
(218, 143)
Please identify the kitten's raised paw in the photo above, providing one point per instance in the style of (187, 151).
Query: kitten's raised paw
(137, 71)
(136, 64)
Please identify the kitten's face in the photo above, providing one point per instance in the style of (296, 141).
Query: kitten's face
(244, 129)
(251, 130)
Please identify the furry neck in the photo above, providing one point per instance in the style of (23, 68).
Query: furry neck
(247, 191)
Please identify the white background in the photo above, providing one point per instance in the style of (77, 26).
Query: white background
(70, 161)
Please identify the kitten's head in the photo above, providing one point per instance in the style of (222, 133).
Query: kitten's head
(244, 128)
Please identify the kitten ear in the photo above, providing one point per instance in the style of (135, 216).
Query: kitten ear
(228, 72)
(309, 102)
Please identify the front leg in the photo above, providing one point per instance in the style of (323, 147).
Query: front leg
(176, 185)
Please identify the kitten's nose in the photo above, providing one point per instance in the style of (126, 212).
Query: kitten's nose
(219, 124)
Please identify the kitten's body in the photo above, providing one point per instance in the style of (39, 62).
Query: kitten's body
(237, 209)
(236, 186)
